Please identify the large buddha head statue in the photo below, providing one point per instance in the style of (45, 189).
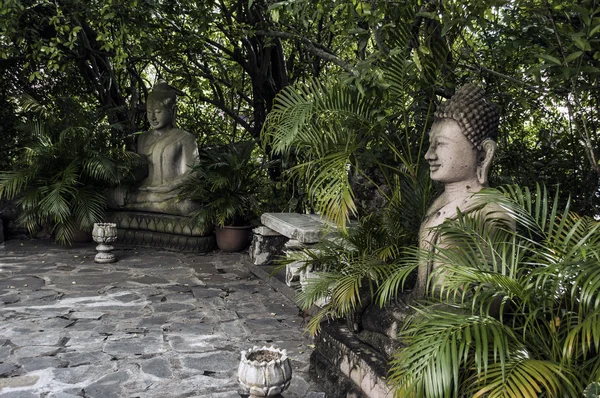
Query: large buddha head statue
(462, 139)
(161, 106)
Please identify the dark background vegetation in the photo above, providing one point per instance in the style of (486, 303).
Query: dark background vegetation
(539, 60)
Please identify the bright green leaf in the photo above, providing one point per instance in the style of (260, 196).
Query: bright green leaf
(573, 56)
(550, 58)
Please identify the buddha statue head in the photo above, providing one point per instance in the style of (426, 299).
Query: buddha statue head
(462, 138)
(161, 106)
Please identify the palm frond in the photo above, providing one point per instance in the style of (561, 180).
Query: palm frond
(523, 377)
(441, 343)
(583, 337)
(88, 207)
(398, 273)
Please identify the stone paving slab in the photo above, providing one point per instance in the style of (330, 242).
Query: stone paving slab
(153, 324)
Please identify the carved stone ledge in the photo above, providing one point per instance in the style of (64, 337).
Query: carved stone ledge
(160, 230)
(155, 222)
(202, 244)
(347, 366)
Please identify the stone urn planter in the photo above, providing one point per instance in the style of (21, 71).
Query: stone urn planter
(265, 372)
(102, 234)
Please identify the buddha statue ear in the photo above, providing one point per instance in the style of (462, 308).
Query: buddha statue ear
(174, 114)
(488, 151)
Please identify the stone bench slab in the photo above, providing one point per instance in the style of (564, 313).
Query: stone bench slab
(301, 227)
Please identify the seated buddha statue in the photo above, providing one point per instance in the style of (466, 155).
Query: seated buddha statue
(461, 149)
(170, 153)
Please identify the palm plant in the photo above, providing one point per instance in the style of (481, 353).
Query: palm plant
(355, 263)
(517, 313)
(229, 183)
(347, 124)
(61, 177)
(356, 125)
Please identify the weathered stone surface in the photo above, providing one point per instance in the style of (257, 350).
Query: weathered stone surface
(18, 381)
(84, 358)
(158, 367)
(32, 364)
(108, 386)
(19, 394)
(198, 244)
(294, 226)
(340, 357)
(265, 231)
(265, 249)
(154, 222)
(127, 346)
(146, 326)
(387, 320)
(171, 232)
(9, 369)
(213, 362)
(63, 395)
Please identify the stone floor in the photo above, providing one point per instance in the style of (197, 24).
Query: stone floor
(153, 324)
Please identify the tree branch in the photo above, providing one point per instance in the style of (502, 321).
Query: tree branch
(315, 48)
(528, 86)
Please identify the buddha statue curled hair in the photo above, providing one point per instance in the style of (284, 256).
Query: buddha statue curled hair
(162, 94)
(476, 115)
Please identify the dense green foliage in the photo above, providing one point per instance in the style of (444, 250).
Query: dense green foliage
(229, 184)
(230, 58)
(62, 173)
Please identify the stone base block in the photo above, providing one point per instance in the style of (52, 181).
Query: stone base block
(155, 222)
(266, 247)
(292, 273)
(348, 367)
(160, 230)
(305, 275)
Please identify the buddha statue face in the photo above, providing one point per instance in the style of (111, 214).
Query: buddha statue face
(451, 156)
(161, 106)
(159, 115)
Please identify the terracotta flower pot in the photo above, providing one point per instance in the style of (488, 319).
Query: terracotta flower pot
(265, 372)
(232, 239)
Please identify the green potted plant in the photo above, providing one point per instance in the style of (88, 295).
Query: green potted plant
(228, 183)
(61, 175)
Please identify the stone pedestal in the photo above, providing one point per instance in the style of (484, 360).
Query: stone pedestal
(303, 232)
(292, 249)
(266, 245)
(160, 230)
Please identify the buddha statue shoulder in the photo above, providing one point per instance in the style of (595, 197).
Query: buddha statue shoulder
(170, 152)
(461, 149)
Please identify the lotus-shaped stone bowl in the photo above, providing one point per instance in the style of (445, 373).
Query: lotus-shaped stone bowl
(265, 372)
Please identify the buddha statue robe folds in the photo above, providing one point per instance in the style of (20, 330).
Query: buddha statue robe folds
(169, 152)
